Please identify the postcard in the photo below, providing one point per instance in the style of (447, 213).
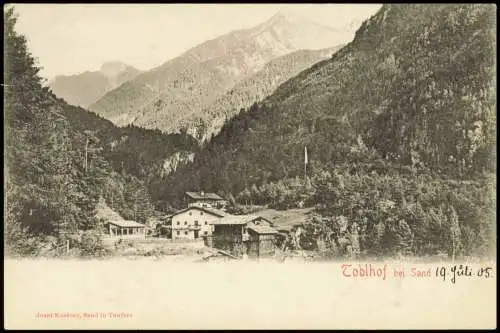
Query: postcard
(249, 166)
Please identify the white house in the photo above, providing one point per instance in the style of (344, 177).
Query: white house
(194, 222)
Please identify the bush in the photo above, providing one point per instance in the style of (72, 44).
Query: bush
(90, 244)
(18, 240)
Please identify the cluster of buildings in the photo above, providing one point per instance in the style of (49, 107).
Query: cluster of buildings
(205, 217)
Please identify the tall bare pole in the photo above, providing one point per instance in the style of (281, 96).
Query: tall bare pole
(86, 154)
(305, 163)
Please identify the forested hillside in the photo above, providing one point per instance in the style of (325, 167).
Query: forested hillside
(140, 152)
(399, 122)
(209, 121)
(60, 159)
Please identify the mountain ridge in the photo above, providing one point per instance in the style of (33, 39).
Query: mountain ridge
(163, 96)
(389, 90)
(255, 87)
(87, 87)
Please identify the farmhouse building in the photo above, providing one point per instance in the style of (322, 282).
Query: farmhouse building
(194, 222)
(203, 199)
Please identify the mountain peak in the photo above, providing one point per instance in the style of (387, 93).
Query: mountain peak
(284, 15)
(87, 87)
(290, 14)
(287, 17)
(113, 68)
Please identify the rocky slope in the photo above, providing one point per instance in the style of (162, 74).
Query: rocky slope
(204, 124)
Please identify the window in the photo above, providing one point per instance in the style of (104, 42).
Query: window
(206, 223)
(185, 232)
(178, 223)
(190, 213)
(185, 222)
(196, 223)
(201, 213)
(206, 232)
(178, 233)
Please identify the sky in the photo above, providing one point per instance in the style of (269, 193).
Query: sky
(73, 38)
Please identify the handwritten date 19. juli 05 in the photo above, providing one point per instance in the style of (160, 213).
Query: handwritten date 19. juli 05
(462, 271)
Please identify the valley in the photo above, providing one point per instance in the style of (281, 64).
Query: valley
(378, 147)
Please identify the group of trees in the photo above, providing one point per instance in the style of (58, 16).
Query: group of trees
(61, 159)
(38, 152)
(283, 194)
(383, 212)
(395, 215)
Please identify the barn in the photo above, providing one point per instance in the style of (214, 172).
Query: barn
(244, 234)
(262, 240)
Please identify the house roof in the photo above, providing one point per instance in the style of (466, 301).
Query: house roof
(203, 195)
(127, 224)
(237, 219)
(104, 212)
(263, 229)
(213, 211)
(284, 228)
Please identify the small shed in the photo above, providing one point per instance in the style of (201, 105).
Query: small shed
(228, 233)
(117, 226)
(124, 228)
(262, 241)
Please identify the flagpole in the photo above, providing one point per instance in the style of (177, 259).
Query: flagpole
(305, 164)
(305, 171)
